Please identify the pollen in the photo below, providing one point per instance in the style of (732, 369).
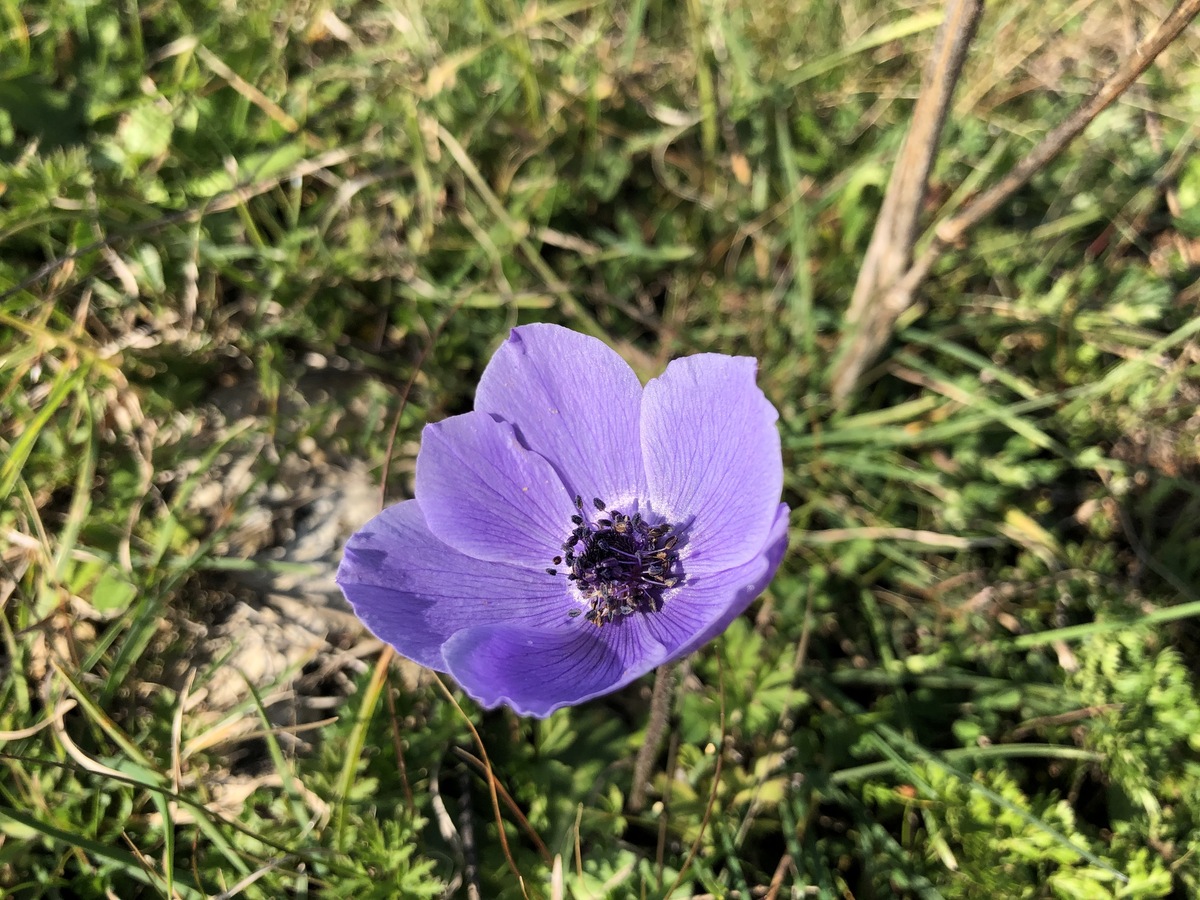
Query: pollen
(619, 564)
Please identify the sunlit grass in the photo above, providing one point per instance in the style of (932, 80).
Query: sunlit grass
(246, 245)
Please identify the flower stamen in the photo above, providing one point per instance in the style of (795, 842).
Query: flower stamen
(620, 564)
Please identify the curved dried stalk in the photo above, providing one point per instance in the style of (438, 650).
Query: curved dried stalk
(896, 229)
(874, 314)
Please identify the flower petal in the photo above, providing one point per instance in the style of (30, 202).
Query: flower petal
(706, 604)
(414, 592)
(712, 458)
(484, 494)
(574, 401)
(536, 671)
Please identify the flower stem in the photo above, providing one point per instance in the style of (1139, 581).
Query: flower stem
(660, 714)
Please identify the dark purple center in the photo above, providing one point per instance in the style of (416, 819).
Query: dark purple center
(620, 564)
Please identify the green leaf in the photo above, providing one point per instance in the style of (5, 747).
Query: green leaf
(113, 592)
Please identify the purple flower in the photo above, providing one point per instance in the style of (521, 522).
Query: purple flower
(576, 530)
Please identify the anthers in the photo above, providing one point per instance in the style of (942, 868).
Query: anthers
(620, 564)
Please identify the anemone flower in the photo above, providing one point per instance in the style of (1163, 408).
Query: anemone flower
(577, 529)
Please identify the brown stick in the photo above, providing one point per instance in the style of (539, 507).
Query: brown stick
(876, 328)
(890, 252)
(660, 714)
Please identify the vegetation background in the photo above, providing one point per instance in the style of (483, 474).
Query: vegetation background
(248, 249)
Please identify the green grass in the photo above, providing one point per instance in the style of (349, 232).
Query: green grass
(240, 243)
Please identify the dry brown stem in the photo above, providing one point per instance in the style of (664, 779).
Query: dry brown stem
(874, 315)
(890, 252)
(660, 713)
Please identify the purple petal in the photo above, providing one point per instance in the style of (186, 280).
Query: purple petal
(712, 458)
(414, 592)
(706, 604)
(574, 401)
(483, 493)
(536, 671)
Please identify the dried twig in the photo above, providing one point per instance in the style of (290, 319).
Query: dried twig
(952, 230)
(880, 315)
(466, 831)
(398, 746)
(660, 713)
(716, 783)
(890, 252)
(491, 782)
(507, 798)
